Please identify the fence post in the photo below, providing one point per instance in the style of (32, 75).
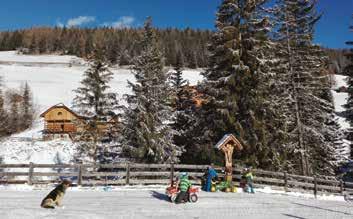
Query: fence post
(79, 180)
(172, 174)
(341, 187)
(285, 181)
(127, 173)
(30, 173)
(315, 186)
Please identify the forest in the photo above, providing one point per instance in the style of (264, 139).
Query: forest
(120, 45)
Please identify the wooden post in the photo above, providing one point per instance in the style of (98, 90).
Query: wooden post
(79, 179)
(315, 186)
(127, 174)
(172, 174)
(30, 173)
(341, 187)
(285, 181)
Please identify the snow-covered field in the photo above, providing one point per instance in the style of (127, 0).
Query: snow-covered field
(153, 203)
(13, 56)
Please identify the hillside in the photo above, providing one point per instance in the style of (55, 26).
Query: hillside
(51, 84)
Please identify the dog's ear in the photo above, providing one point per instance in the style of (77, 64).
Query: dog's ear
(66, 182)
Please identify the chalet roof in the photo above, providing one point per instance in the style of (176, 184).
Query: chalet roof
(61, 105)
(226, 139)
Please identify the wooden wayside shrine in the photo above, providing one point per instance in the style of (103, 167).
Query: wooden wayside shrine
(227, 144)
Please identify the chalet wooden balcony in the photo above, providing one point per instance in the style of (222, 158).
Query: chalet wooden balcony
(59, 127)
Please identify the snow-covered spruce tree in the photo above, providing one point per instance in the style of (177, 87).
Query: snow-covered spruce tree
(312, 132)
(94, 101)
(236, 84)
(147, 132)
(348, 70)
(183, 104)
(26, 108)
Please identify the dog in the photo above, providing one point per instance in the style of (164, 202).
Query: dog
(55, 197)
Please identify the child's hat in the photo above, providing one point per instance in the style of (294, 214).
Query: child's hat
(183, 174)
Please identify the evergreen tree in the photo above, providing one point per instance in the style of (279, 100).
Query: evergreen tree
(93, 98)
(183, 104)
(26, 108)
(348, 70)
(311, 130)
(236, 82)
(148, 135)
(177, 82)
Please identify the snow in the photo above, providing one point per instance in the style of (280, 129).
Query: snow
(53, 85)
(340, 80)
(50, 85)
(153, 203)
(331, 197)
(12, 56)
(18, 151)
(340, 99)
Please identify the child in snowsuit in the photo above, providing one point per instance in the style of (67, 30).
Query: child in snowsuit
(249, 181)
(211, 174)
(184, 185)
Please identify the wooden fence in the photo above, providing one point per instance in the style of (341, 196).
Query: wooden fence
(133, 173)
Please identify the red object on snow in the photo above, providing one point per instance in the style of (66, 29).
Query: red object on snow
(172, 192)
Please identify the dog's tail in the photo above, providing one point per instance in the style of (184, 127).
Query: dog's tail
(48, 206)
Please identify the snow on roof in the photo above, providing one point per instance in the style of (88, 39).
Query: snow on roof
(61, 105)
(227, 138)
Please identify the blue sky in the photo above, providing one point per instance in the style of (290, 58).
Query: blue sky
(332, 30)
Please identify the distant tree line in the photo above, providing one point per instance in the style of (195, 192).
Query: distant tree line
(120, 44)
(338, 60)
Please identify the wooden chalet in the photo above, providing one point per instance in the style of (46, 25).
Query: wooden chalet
(197, 97)
(59, 119)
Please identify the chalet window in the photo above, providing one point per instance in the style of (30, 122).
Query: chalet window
(60, 113)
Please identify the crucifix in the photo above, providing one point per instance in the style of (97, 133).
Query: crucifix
(227, 145)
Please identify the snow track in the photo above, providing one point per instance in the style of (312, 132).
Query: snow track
(153, 203)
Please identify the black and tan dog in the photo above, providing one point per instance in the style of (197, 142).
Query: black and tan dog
(54, 198)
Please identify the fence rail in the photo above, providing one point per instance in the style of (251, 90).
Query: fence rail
(135, 173)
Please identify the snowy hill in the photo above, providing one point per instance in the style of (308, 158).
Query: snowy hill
(51, 84)
(13, 57)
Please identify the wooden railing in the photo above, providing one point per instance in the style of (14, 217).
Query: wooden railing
(134, 173)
